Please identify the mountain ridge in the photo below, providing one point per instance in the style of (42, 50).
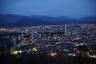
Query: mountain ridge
(11, 20)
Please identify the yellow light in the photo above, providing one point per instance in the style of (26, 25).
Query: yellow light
(14, 52)
(0, 52)
(53, 54)
(34, 49)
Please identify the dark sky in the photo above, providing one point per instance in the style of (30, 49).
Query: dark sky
(70, 8)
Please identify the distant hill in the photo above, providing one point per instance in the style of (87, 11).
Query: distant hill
(10, 17)
(31, 22)
(88, 20)
(11, 20)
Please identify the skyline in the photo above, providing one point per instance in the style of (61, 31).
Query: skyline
(54, 8)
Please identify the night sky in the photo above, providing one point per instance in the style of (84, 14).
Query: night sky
(70, 8)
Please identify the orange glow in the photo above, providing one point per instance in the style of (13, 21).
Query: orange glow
(92, 56)
(0, 52)
(52, 54)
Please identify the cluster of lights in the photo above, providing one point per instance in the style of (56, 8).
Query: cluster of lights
(15, 52)
(34, 49)
(52, 54)
(71, 54)
(92, 56)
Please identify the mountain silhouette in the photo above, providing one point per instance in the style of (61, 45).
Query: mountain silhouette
(88, 20)
(12, 20)
(31, 22)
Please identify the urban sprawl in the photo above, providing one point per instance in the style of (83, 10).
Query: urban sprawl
(67, 39)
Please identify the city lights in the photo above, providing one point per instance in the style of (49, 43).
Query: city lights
(52, 54)
(15, 52)
(66, 40)
(92, 56)
(34, 49)
(71, 54)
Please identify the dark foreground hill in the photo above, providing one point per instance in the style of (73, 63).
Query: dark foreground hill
(44, 59)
